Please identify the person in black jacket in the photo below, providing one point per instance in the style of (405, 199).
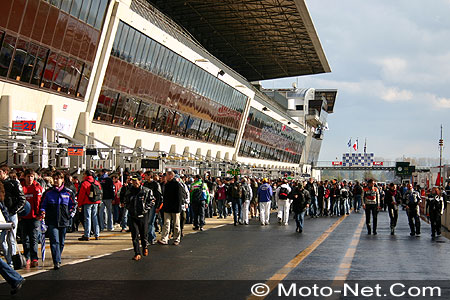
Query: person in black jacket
(300, 202)
(139, 201)
(14, 202)
(105, 211)
(390, 199)
(157, 193)
(173, 198)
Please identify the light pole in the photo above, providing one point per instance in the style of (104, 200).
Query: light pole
(441, 146)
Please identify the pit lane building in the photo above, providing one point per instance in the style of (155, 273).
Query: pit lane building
(175, 77)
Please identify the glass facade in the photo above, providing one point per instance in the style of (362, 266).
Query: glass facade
(150, 87)
(266, 138)
(50, 44)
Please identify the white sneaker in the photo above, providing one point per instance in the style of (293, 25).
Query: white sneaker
(285, 224)
(267, 223)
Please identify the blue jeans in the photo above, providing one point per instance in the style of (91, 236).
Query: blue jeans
(313, 209)
(336, 207)
(237, 209)
(116, 209)
(124, 221)
(222, 208)
(299, 219)
(90, 215)
(30, 238)
(105, 214)
(358, 199)
(151, 225)
(57, 236)
(346, 205)
(9, 245)
(12, 277)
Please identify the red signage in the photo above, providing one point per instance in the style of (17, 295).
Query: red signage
(75, 151)
(377, 163)
(24, 125)
(337, 163)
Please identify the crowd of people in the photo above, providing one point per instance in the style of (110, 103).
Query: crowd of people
(53, 202)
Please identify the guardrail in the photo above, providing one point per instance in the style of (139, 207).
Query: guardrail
(337, 164)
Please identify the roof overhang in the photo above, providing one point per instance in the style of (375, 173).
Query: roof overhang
(259, 39)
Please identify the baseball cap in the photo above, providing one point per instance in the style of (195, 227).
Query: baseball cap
(136, 177)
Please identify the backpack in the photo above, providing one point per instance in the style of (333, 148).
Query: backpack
(283, 194)
(197, 195)
(95, 193)
(236, 191)
(184, 194)
(344, 193)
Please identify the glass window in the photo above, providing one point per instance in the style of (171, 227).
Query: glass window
(129, 44)
(169, 63)
(106, 105)
(84, 81)
(187, 73)
(147, 115)
(9, 43)
(192, 128)
(182, 66)
(19, 59)
(134, 47)
(117, 39)
(179, 124)
(59, 72)
(151, 52)
(145, 52)
(75, 69)
(154, 58)
(123, 42)
(93, 12)
(160, 124)
(162, 57)
(49, 70)
(127, 108)
(65, 5)
(76, 8)
(39, 65)
(101, 13)
(56, 3)
(85, 10)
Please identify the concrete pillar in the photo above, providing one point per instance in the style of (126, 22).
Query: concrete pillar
(227, 156)
(173, 150)
(199, 152)
(208, 154)
(82, 126)
(156, 147)
(234, 157)
(186, 151)
(5, 119)
(116, 142)
(219, 155)
(138, 144)
(48, 120)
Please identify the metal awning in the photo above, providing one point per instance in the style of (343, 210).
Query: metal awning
(259, 39)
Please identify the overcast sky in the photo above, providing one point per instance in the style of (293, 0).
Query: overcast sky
(390, 62)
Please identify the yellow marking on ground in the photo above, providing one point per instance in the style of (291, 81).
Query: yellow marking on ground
(280, 275)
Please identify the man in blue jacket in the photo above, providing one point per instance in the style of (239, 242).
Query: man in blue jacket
(265, 197)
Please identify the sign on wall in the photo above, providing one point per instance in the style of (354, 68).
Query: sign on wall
(21, 126)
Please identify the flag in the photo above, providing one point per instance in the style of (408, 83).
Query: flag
(365, 145)
(439, 179)
(355, 145)
(349, 144)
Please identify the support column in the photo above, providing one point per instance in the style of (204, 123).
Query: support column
(5, 120)
(48, 120)
(82, 126)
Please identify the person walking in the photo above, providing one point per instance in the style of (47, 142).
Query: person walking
(371, 198)
(390, 199)
(199, 196)
(412, 200)
(236, 200)
(265, 199)
(311, 187)
(105, 208)
(154, 186)
(282, 195)
(57, 208)
(247, 195)
(30, 223)
(14, 201)
(300, 203)
(434, 210)
(89, 198)
(357, 194)
(139, 201)
(173, 199)
(221, 196)
(14, 279)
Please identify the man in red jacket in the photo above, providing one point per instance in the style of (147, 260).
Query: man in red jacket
(30, 223)
(89, 206)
